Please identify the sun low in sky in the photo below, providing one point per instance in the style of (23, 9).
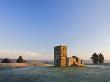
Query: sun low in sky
(32, 28)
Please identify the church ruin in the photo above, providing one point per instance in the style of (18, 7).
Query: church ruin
(61, 59)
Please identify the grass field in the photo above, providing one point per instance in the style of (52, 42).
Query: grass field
(91, 73)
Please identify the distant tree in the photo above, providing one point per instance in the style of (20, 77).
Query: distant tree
(95, 58)
(101, 58)
(20, 60)
(6, 60)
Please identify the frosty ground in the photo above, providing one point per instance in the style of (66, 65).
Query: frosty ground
(90, 73)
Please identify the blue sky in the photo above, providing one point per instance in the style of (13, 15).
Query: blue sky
(36, 26)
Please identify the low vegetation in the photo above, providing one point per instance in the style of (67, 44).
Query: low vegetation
(56, 74)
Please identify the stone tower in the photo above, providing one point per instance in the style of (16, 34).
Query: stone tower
(60, 55)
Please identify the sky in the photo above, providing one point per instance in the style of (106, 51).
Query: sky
(31, 28)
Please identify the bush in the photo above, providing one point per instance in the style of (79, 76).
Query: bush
(6, 60)
(20, 60)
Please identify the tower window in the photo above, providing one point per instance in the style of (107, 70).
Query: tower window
(57, 61)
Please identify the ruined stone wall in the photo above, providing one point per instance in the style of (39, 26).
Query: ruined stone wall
(56, 56)
(60, 56)
(63, 56)
(73, 61)
(79, 61)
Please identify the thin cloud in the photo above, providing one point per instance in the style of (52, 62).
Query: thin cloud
(27, 55)
(15, 54)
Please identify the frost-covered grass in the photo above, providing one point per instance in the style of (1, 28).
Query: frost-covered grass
(91, 73)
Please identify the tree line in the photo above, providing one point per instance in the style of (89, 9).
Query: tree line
(97, 58)
(19, 60)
